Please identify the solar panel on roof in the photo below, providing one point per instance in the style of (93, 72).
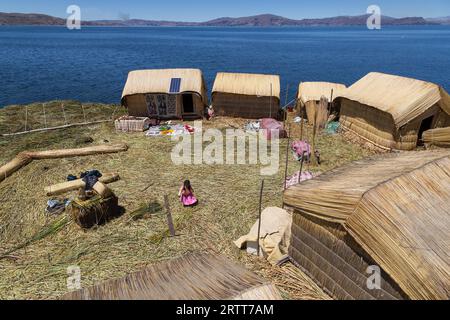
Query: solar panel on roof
(175, 84)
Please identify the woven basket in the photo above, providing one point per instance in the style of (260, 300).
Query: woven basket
(133, 124)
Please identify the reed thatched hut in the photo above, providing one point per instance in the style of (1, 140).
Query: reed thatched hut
(165, 93)
(195, 276)
(391, 211)
(309, 95)
(393, 112)
(244, 95)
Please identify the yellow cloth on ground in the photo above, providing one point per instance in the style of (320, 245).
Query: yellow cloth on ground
(274, 234)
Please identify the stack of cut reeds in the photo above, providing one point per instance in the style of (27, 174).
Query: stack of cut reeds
(438, 137)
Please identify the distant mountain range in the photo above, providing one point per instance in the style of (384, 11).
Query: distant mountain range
(264, 20)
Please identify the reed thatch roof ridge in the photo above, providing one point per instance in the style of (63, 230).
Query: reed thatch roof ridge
(158, 81)
(262, 85)
(404, 225)
(313, 91)
(403, 98)
(334, 195)
(194, 276)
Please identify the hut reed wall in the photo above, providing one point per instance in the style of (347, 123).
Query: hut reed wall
(245, 106)
(327, 254)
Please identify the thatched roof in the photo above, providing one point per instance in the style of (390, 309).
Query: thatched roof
(247, 84)
(159, 80)
(397, 208)
(403, 98)
(404, 224)
(438, 136)
(334, 195)
(313, 91)
(194, 276)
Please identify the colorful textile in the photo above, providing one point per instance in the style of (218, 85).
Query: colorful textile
(294, 179)
(271, 126)
(301, 149)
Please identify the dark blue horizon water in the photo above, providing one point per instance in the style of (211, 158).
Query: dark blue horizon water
(91, 65)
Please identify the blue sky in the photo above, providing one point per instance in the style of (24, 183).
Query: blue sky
(201, 10)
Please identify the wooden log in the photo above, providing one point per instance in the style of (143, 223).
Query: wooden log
(169, 217)
(67, 153)
(102, 190)
(21, 160)
(26, 157)
(259, 217)
(76, 184)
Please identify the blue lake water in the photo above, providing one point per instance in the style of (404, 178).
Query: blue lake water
(47, 63)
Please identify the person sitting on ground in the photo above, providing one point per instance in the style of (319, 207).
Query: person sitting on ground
(186, 194)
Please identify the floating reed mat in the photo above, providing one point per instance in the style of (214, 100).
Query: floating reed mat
(24, 158)
(195, 276)
(50, 229)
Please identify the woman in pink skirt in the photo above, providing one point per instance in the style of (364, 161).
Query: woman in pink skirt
(186, 194)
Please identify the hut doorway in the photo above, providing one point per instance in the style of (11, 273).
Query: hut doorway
(188, 103)
(424, 126)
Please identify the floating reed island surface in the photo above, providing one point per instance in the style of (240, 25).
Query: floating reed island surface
(40, 246)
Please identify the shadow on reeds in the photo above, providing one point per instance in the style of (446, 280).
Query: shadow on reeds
(146, 210)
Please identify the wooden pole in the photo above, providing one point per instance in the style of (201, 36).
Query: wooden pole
(26, 117)
(54, 128)
(330, 107)
(259, 218)
(301, 121)
(313, 147)
(84, 113)
(169, 216)
(270, 100)
(45, 115)
(287, 95)
(64, 113)
(287, 156)
(301, 167)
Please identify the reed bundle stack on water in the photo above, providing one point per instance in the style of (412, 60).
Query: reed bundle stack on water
(391, 211)
(196, 276)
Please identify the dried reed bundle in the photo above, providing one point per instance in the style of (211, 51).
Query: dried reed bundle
(438, 137)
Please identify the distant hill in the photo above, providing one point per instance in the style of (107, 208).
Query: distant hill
(263, 20)
(29, 19)
(273, 20)
(440, 20)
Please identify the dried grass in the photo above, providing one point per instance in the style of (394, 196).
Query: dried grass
(228, 206)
